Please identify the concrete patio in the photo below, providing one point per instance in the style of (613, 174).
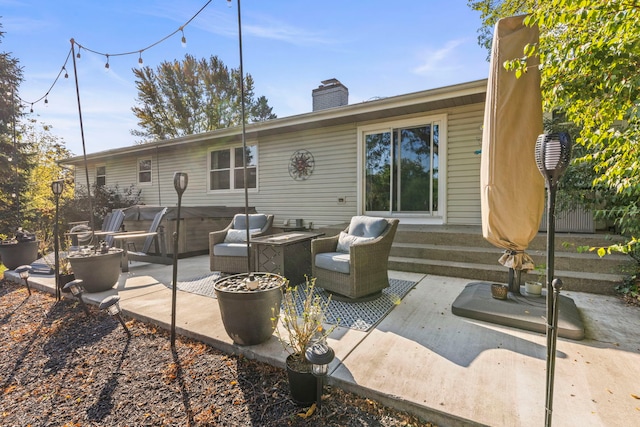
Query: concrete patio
(421, 358)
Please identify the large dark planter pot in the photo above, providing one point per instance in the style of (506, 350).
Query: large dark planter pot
(16, 254)
(246, 314)
(303, 385)
(99, 272)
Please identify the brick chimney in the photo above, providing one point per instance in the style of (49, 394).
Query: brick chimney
(331, 93)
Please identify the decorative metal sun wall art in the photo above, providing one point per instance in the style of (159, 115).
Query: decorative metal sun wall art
(301, 165)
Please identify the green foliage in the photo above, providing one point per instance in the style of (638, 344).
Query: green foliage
(15, 163)
(193, 96)
(103, 199)
(589, 51)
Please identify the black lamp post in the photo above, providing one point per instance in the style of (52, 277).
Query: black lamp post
(180, 181)
(76, 289)
(553, 154)
(24, 271)
(57, 187)
(319, 355)
(112, 305)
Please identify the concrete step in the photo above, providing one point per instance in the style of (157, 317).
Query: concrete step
(572, 261)
(597, 283)
(462, 251)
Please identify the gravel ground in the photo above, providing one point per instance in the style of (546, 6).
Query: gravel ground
(61, 368)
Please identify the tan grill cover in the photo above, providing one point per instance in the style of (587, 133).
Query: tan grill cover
(512, 188)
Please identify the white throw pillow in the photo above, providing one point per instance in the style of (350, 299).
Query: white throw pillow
(239, 236)
(346, 240)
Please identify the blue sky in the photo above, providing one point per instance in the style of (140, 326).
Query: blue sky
(375, 48)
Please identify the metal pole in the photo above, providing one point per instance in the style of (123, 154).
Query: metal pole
(56, 251)
(551, 310)
(244, 142)
(174, 287)
(84, 149)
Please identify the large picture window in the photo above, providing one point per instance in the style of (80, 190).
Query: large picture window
(226, 168)
(144, 171)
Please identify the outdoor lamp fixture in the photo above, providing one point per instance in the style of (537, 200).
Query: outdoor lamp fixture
(57, 187)
(180, 181)
(553, 154)
(76, 289)
(112, 306)
(24, 271)
(319, 355)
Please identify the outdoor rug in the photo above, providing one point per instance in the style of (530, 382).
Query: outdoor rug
(360, 316)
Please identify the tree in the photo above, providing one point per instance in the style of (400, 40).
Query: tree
(14, 163)
(589, 51)
(193, 96)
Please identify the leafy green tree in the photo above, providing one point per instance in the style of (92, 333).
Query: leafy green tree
(193, 96)
(589, 51)
(38, 203)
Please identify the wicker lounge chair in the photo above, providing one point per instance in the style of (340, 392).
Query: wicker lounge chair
(354, 263)
(228, 247)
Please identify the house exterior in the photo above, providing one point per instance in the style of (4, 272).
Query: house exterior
(414, 157)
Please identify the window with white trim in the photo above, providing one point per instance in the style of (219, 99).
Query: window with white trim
(101, 176)
(144, 171)
(226, 168)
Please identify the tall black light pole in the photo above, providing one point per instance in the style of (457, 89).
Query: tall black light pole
(244, 142)
(180, 181)
(553, 153)
(57, 187)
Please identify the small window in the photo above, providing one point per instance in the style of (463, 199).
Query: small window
(101, 176)
(144, 171)
(226, 168)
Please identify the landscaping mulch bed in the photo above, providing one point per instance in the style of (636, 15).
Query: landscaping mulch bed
(62, 368)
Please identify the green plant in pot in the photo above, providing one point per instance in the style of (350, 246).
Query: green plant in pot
(534, 288)
(22, 249)
(303, 324)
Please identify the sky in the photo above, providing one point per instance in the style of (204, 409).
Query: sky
(375, 48)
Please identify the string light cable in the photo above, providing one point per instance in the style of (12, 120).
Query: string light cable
(110, 55)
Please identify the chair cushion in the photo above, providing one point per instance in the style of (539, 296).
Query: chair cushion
(255, 221)
(346, 240)
(239, 236)
(333, 261)
(230, 249)
(367, 226)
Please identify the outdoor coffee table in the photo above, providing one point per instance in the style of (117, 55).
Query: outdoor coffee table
(287, 254)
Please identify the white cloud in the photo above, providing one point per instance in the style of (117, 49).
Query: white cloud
(445, 58)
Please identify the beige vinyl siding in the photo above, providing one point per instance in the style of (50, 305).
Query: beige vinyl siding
(316, 198)
(463, 165)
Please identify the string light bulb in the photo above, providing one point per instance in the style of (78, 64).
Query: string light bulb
(78, 54)
(31, 108)
(46, 101)
(107, 64)
(140, 58)
(184, 39)
(66, 74)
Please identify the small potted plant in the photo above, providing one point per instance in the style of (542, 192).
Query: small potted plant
(534, 288)
(303, 324)
(22, 249)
